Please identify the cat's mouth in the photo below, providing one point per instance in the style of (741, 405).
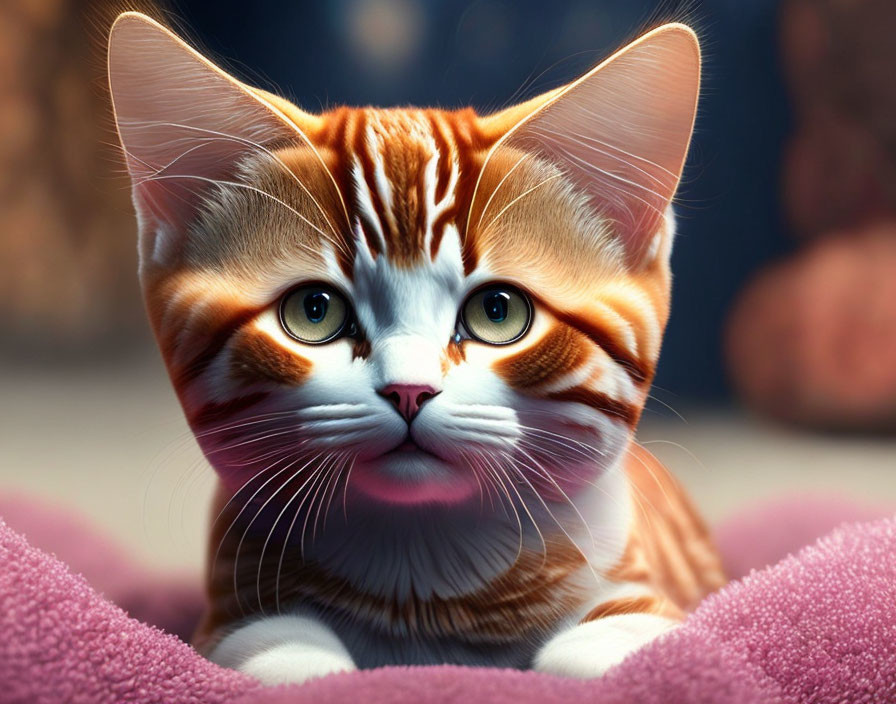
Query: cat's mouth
(408, 445)
(409, 474)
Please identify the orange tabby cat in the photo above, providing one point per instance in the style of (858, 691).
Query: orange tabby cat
(415, 345)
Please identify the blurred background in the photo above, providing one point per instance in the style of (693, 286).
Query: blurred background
(779, 367)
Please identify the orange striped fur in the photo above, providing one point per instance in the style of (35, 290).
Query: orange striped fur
(505, 501)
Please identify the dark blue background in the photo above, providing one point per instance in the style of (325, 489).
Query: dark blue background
(489, 53)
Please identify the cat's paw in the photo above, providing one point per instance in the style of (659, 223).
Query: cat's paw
(292, 663)
(287, 649)
(590, 649)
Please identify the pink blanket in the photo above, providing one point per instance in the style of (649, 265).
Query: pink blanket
(819, 626)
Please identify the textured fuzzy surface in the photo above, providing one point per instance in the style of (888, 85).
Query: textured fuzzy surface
(817, 627)
(172, 602)
(820, 624)
(62, 641)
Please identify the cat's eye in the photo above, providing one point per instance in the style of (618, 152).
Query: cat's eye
(497, 314)
(315, 314)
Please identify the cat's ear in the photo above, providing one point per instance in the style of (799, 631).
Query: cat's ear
(620, 133)
(184, 123)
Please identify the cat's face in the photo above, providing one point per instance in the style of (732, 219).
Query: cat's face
(406, 306)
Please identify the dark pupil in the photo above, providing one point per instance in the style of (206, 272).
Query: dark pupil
(316, 306)
(495, 305)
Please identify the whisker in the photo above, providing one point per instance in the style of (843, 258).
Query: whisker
(244, 422)
(512, 485)
(315, 475)
(663, 403)
(325, 471)
(248, 187)
(141, 124)
(681, 447)
(242, 510)
(646, 465)
(332, 474)
(547, 475)
(498, 188)
(329, 501)
(475, 469)
(496, 476)
(345, 491)
(281, 449)
(254, 518)
(266, 435)
(559, 524)
(522, 195)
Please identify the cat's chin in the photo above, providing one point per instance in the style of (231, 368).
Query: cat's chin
(409, 476)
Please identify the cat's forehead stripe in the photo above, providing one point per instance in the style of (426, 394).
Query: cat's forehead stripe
(406, 176)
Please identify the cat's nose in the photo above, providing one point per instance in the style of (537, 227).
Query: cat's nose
(408, 398)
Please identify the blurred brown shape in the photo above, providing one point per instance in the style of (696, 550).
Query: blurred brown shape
(67, 233)
(836, 174)
(813, 338)
(840, 60)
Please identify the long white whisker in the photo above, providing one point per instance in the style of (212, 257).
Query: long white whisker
(498, 188)
(522, 195)
(496, 473)
(348, 458)
(512, 485)
(545, 474)
(248, 502)
(324, 488)
(143, 124)
(315, 473)
(266, 435)
(324, 475)
(239, 546)
(474, 467)
(522, 475)
(248, 187)
(244, 422)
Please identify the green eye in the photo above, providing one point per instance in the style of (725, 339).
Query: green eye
(497, 315)
(314, 314)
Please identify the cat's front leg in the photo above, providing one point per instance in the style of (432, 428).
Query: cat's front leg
(610, 633)
(283, 649)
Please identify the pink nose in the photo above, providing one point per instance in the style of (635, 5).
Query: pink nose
(407, 398)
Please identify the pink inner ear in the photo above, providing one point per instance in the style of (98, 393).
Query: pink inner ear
(170, 193)
(183, 123)
(621, 132)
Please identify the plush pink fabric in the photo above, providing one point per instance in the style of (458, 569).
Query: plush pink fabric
(63, 642)
(172, 602)
(821, 624)
(817, 627)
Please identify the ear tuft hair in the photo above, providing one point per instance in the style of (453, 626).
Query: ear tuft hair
(183, 123)
(620, 133)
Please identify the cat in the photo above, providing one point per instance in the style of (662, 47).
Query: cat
(414, 344)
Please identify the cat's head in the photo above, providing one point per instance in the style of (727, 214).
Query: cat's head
(406, 306)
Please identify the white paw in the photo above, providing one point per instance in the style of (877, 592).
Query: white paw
(590, 649)
(283, 650)
(294, 664)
